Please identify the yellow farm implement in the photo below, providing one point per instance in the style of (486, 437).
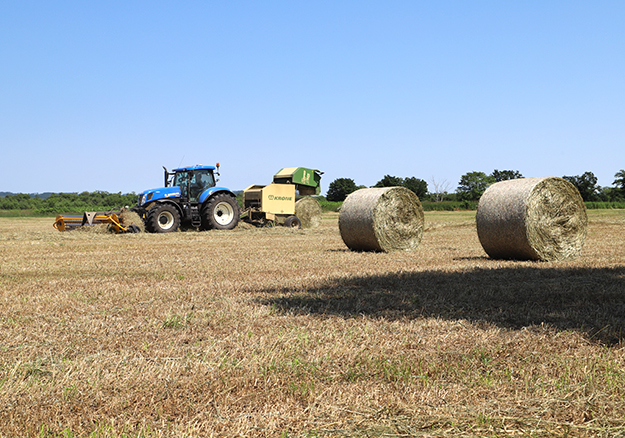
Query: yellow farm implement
(71, 222)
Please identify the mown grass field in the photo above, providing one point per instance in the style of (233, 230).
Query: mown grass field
(272, 332)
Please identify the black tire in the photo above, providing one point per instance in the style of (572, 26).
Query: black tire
(293, 222)
(220, 213)
(163, 219)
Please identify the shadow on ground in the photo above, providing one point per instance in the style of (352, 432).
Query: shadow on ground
(583, 299)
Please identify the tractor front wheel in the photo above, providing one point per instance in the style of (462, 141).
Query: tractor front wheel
(221, 213)
(163, 219)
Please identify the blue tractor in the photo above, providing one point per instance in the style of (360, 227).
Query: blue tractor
(190, 197)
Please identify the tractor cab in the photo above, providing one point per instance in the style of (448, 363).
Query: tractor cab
(192, 181)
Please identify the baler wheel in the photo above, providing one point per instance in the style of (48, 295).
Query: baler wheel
(293, 222)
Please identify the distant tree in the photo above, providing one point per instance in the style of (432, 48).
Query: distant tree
(7, 203)
(418, 186)
(504, 175)
(440, 189)
(390, 181)
(611, 194)
(619, 181)
(586, 184)
(472, 185)
(340, 188)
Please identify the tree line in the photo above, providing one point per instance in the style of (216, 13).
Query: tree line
(470, 188)
(67, 202)
(473, 184)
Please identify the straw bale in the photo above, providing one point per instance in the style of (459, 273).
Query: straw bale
(381, 219)
(532, 219)
(128, 218)
(309, 212)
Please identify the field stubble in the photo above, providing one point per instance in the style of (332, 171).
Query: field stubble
(273, 332)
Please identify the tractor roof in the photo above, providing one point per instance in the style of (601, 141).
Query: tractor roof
(196, 167)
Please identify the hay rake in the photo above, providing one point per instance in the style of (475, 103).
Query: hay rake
(71, 222)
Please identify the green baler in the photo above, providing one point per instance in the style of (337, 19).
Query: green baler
(275, 203)
(307, 181)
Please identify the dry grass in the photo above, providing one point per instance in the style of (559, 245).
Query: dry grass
(275, 332)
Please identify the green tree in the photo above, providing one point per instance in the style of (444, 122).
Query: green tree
(504, 175)
(619, 181)
(586, 184)
(7, 203)
(340, 188)
(390, 181)
(472, 185)
(611, 194)
(418, 186)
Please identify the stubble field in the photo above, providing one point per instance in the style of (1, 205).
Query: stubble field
(272, 332)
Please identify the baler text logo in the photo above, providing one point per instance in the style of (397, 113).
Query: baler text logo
(279, 198)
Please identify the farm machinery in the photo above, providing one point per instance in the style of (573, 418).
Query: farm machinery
(274, 204)
(112, 218)
(190, 197)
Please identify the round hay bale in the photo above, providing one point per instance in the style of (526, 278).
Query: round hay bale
(532, 219)
(309, 212)
(128, 218)
(381, 219)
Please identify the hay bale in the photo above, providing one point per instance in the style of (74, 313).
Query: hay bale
(381, 219)
(309, 212)
(128, 218)
(532, 219)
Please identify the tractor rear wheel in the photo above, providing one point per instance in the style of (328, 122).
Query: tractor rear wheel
(220, 213)
(163, 219)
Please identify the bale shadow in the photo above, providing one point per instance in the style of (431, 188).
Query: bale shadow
(583, 299)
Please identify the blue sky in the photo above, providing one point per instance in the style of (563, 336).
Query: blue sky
(101, 95)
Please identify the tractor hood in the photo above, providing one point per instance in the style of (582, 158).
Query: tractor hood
(157, 194)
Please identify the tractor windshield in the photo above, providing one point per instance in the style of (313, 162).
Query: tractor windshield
(193, 183)
(203, 178)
